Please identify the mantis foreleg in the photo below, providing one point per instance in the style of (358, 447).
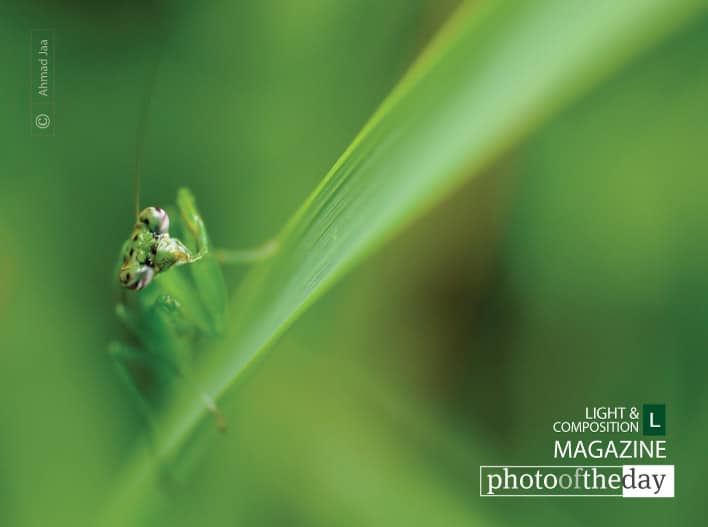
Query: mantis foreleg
(246, 256)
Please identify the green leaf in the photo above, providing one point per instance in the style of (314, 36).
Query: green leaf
(493, 75)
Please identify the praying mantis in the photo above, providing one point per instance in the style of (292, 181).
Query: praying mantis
(164, 310)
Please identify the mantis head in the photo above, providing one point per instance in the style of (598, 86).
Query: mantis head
(138, 268)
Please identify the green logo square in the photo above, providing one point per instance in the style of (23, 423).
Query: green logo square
(654, 419)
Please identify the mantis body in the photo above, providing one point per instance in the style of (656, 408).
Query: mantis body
(166, 313)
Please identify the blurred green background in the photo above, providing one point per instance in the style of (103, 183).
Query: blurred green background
(573, 272)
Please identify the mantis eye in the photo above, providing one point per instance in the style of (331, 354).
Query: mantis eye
(136, 277)
(156, 219)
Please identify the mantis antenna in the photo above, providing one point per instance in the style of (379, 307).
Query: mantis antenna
(142, 125)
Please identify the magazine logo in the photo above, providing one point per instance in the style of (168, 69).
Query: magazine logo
(612, 479)
(626, 481)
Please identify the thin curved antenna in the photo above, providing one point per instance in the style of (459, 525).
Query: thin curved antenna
(142, 126)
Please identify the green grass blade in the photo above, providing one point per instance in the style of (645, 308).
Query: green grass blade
(496, 72)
